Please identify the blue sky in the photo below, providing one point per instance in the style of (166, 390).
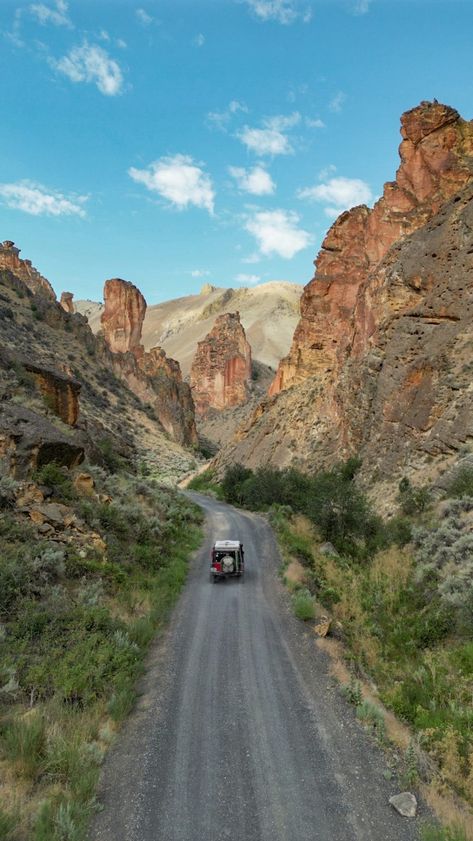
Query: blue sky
(174, 143)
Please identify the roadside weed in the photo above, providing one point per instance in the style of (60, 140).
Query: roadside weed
(372, 716)
(432, 832)
(303, 605)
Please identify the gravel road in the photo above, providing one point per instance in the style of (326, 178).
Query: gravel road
(240, 733)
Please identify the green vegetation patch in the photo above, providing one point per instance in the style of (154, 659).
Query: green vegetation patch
(75, 623)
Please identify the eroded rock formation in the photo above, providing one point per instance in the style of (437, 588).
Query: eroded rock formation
(60, 391)
(152, 376)
(123, 316)
(436, 162)
(10, 259)
(221, 371)
(67, 302)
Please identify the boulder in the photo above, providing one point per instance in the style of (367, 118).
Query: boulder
(404, 803)
(84, 484)
(28, 441)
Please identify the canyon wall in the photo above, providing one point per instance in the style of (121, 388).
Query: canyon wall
(380, 361)
(436, 162)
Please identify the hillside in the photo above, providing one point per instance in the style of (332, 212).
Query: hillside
(64, 394)
(268, 312)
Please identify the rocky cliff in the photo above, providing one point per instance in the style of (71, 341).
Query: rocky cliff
(64, 393)
(380, 359)
(123, 316)
(11, 261)
(436, 162)
(221, 371)
(153, 377)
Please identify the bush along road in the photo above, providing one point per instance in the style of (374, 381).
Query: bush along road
(240, 732)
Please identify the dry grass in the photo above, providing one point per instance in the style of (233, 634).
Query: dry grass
(447, 808)
(295, 575)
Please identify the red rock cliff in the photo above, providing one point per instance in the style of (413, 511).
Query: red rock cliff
(221, 370)
(436, 162)
(153, 377)
(10, 259)
(123, 316)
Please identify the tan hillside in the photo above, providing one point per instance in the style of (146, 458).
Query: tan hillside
(268, 312)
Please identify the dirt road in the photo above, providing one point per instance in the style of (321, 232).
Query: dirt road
(240, 734)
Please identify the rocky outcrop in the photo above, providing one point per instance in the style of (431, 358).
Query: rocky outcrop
(436, 162)
(173, 402)
(61, 392)
(123, 316)
(67, 302)
(221, 372)
(10, 259)
(381, 359)
(152, 376)
(28, 441)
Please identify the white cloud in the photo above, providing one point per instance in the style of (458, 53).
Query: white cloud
(281, 11)
(199, 40)
(339, 194)
(362, 7)
(337, 102)
(248, 279)
(199, 273)
(179, 180)
(144, 18)
(317, 123)
(90, 63)
(37, 200)
(56, 14)
(277, 232)
(221, 119)
(272, 139)
(256, 181)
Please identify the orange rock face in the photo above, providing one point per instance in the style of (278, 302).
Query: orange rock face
(10, 259)
(221, 370)
(436, 162)
(152, 376)
(60, 391)
(123, 316)
(66, 301)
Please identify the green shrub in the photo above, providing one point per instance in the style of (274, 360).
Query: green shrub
(462, 484)
(412, 500)
(58, 478)
(373, 717)
(303, 605)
